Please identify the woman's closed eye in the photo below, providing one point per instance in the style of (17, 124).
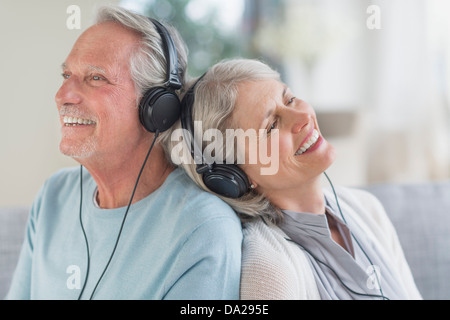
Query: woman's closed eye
(273, 125)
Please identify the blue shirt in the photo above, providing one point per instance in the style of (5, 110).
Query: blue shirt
(177, 243)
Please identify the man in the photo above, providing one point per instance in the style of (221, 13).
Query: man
(87, 236)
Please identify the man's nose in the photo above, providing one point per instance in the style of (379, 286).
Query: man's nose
(69, 92)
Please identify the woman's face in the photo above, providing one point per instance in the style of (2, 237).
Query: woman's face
(292, 134)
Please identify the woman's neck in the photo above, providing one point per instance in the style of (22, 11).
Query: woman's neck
(306, 198)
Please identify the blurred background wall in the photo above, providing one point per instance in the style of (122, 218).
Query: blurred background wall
(377, 73)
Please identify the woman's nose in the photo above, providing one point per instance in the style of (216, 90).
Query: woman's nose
(300, 120)
(68, 93)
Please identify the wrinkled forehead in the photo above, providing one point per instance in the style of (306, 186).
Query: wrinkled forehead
(106, 46)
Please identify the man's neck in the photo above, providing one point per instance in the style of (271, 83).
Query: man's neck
(116, 179)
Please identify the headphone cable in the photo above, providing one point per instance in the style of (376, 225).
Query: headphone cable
(337, 276)
(121, 226)
(356, 240)
(84, 232)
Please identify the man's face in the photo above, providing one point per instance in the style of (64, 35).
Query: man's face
(97, 99)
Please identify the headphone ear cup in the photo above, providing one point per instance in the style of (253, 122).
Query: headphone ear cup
(226, 180)
(159, 109)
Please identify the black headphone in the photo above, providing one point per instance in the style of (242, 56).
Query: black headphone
(160, 107)
(227, 180)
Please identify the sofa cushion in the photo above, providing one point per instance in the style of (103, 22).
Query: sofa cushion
(12, 230)
(421, 216)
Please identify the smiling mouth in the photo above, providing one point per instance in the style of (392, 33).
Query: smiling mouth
(74, 121)
(309, 143)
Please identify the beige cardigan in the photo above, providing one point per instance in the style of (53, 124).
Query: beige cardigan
(276, 269)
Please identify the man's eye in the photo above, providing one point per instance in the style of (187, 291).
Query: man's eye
(291, 100)
(65, 76)
(97, 80)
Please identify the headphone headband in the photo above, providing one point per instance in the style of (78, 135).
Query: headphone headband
(170, 53)
(187, 104)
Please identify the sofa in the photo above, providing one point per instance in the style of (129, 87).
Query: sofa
(420, 213)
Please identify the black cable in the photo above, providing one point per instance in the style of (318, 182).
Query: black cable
(335, 273)
(121, 226)
(356, 240)
(84, 232)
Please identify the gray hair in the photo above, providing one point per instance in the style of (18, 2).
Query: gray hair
(215, 99)
(148, 62)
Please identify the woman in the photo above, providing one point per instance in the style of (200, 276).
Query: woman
(300, 241)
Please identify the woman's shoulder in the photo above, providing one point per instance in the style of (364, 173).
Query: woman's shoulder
(273, 267)
(262, 232)
(354, 196)
(266, 243)
(363, 205)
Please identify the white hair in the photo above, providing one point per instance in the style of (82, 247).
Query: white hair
(148, 62)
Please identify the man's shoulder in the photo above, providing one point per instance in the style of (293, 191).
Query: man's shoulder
(194, 202)
(64, 174)
(61, 179)
(183, 187)
(58, 189)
